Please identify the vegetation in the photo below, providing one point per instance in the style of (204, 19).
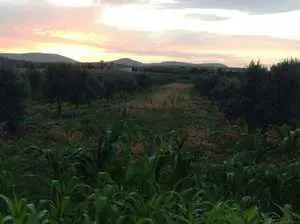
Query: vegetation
(259, 96)
(148, 148)
(12, 96)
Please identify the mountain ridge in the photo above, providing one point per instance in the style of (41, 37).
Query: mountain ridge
(37, 57)
(130, 62)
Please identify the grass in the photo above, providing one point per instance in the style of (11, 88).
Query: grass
(164, 156)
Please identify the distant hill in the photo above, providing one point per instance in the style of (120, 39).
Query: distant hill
(130, 62)
(54, 58)
(213, 65)
(176, 64)
(127, 62)
(38, 57)
(6, 62)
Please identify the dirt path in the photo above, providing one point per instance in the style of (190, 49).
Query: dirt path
(174, 107)
(168, 96)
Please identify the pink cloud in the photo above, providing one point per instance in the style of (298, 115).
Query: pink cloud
(27, 28)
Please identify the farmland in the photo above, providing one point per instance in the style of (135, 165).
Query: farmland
(144, 149)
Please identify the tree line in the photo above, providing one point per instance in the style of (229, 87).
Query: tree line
(58, 84)
(258, 95)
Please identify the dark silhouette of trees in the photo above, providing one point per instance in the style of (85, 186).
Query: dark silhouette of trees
(12, 96)
(254, 87)
(143, 81)
(56, 85)
(204, 83)
(35, 81)
(77, 86)
(284, 92)
(102, 65)
(63, 82)
(259, 96)
(94, 87)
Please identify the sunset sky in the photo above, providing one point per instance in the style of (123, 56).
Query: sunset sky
(228, 31)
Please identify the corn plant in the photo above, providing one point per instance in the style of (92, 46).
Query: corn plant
(19, 211)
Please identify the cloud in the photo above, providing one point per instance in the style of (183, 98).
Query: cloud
(178, 45)
(250, 6)
(150, 30)
(219, 21)
(207, 17)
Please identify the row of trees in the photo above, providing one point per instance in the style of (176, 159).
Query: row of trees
(60, 83)
(259, 95)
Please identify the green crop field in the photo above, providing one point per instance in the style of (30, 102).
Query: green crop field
(157, 154)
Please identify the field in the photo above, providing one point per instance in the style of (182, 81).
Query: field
(161, 155)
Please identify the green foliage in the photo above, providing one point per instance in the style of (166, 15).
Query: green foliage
(108, 200)
(118, 169)
(70, 83)
(259, 96)
(163, 185)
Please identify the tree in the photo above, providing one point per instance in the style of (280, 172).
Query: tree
(204, 83)
(78, 86)
(35, 80)
(102, 65)
(12, 96)
(94, 87)
(56, 86)
(143, 80)
(253, 92)
(284, 92)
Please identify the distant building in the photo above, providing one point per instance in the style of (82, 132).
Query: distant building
(233, 69)
(125, 69)
(119, 67)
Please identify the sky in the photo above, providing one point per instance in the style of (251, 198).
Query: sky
(232, 32)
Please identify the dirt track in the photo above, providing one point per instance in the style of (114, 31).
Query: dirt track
(177, 96)
(165, 97)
